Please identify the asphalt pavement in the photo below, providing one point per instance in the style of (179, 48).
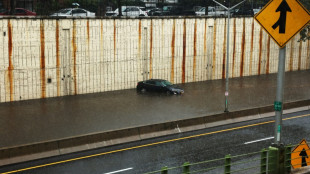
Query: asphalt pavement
(47, 120)
(243, 141)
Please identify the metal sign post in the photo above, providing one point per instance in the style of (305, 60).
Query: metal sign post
(227, 49)
(282, 20)
(279, 96)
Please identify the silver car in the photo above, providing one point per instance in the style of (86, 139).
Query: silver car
(74, 12)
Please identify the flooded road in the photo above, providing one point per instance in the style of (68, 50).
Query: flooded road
(33, 121)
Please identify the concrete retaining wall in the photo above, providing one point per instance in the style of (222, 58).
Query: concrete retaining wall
(41, 58)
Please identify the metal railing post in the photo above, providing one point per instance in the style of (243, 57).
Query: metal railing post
(287, 159)
(186, 168)
(263, 162)
(273, 160)
(164, 170)
(227, 164)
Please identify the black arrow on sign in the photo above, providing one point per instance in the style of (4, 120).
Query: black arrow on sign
(281, 23)
(303, 155)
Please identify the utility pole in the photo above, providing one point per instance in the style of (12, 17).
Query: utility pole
(227, 48)
(119, 7)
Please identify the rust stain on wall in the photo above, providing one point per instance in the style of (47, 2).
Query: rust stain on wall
(268, 55)
(291, 55)
(252, 44)
(234, 49)
(260, 49)
(57, 59)
(114, 39)
(42, 60)
(11, 67)
(195, 50)
(74, 56)
(205, 44)
(151, 50)
(299, 55)
(139, 40)
(172, 52)
(184, 51)
(242, 49)
(224, 52)
(101, 37)
(88, 31)
(214, 49)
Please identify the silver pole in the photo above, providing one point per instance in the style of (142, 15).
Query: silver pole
(279, 96)
(227, 49)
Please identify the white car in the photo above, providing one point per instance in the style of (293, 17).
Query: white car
(128, 11)
(74, 12)
(211, 12)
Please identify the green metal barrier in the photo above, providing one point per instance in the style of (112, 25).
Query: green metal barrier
(273, 160)
(227, 164)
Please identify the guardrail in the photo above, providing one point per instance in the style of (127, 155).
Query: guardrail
(272, 160)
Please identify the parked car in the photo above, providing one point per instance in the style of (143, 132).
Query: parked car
(18, 12)
(211, 12)
(244, 12)
(129, 11)
(159, 85)
(155, 12)
(177, 11)
(134, 11)
(74, 12)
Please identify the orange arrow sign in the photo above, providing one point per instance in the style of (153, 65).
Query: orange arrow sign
(283, 19)
(300, 156)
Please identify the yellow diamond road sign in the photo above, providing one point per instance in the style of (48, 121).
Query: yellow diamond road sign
(282, 19)
(300, 156)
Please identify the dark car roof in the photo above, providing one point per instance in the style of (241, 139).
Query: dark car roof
(159, 80)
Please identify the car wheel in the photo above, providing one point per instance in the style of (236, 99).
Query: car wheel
(143, 90)
(168, 92)
(141, 15)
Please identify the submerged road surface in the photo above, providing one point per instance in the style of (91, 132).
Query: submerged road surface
(33, 121)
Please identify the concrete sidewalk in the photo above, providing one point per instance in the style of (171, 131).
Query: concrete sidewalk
(40, 128)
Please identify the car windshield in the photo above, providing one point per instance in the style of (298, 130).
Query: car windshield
(166, 83)
(64, 11)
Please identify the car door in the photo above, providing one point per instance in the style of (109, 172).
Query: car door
(79, 12)
(159, 87)
(152, 85)
(148, 85)
(134, 11)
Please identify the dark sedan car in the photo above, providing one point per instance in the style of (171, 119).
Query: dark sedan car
(158, 85)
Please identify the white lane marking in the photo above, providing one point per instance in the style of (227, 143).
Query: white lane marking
(118, 171)
(259, 140)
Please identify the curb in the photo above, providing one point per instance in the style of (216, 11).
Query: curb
(39, 150)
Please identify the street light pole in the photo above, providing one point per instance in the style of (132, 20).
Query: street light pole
(227, 49)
